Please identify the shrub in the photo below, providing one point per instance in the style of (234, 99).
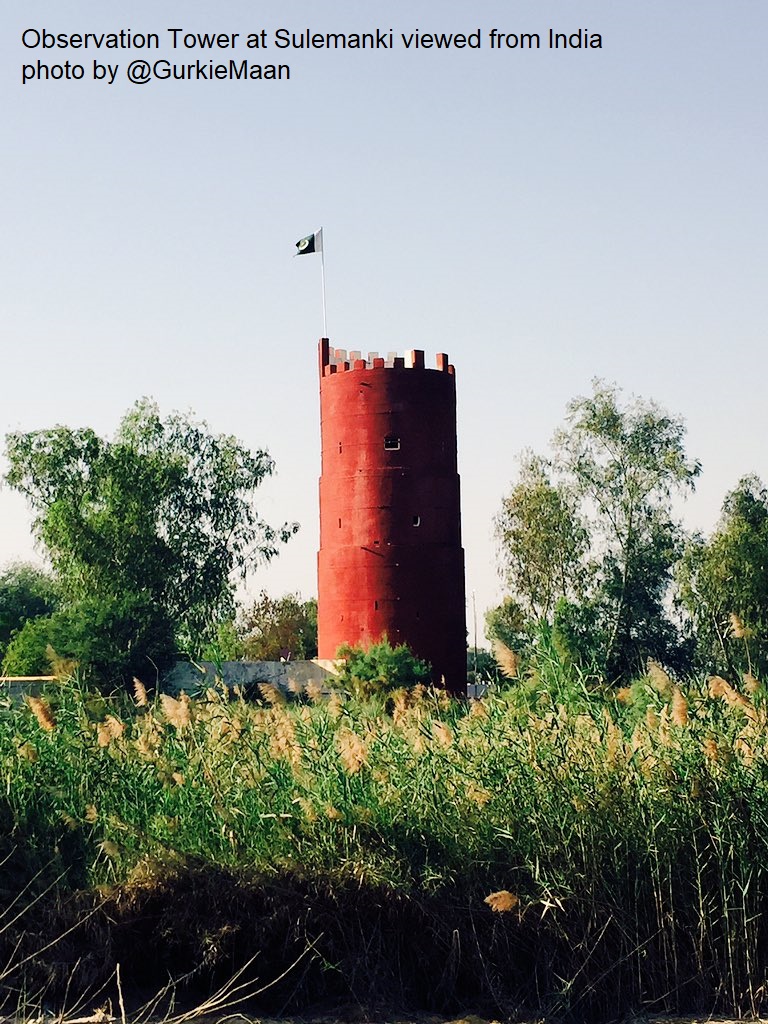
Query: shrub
(381, 668)
(111, 640)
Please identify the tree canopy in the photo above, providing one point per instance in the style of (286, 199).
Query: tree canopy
(724, 584)
(588, 541)
(163, 512)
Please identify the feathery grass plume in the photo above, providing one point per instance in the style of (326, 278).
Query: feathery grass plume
(91, 813)
(651, 719)
(307, 807)
(416, 739)
(399, 705)
(232, 728)
(442, 734)
(478, 708)
(419, 693)
(148, 742)
(27, 752)
(140, 693)
(115, 726)
(282, 741)
(271, 694)
(333, 813)
(177, 712)
(62, 668)
(295, 686)
(716, 686)
(679, 708)
(659, 677)
(624, 695)
(112, 850)
(71, 823)
(711, 749)
(614, 743)
(719, 687)
(352, 750)
(477, 795)
(502, 901)
(664, 734)
(507, 659)
(737, 629)
(314, 691)
(751, 684)
(335, 706)
(41, 709)
(178, 778)
(103, 735)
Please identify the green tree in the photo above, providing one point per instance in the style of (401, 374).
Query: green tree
(627, 463)
(724, 584)
(593, 552)
(273, 628)
(542, 541)
(26, 592)
(163, 512)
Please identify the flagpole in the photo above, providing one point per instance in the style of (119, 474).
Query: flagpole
(322, 280)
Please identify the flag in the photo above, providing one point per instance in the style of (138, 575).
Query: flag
(312, 243)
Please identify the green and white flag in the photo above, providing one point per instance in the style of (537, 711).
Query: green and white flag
(312, 243)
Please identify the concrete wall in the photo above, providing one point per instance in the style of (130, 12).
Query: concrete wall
(191, 676)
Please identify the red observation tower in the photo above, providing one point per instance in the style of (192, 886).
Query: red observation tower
(390, 559)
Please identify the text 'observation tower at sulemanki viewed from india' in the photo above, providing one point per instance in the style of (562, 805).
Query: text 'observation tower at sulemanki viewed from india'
(391, 561)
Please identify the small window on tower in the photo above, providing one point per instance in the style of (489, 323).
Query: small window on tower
(339, 447)
(339, 523)
(391, 443)
(375, 606)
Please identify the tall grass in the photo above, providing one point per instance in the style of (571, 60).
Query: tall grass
(624, 835)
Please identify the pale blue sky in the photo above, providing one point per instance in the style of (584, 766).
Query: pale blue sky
(545, 217)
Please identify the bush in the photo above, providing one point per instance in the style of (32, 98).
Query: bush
(381, 668)
(26, 593)
(111, 640)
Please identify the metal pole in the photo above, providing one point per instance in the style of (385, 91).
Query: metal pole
(322, 278)
(474, 616)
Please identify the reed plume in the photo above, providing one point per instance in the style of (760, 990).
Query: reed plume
(507, 659)
(139, 693)
(41, 709)
(352, 750)
(502, 901)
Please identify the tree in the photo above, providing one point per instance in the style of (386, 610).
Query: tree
(274, 628)
(163, 512)
(724, 584)
(542, 540)
(26, 592)
(592, 553)
(626, 464)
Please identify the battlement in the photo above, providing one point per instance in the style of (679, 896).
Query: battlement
(339, 360)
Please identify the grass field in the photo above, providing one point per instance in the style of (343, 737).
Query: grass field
(554, 849)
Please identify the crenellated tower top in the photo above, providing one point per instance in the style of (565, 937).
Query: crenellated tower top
(339, 360)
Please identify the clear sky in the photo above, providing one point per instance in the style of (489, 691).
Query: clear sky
(544, 216)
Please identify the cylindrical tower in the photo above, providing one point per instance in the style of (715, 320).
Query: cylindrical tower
(391, 560)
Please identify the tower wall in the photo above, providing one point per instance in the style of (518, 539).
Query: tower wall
(390, 559)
